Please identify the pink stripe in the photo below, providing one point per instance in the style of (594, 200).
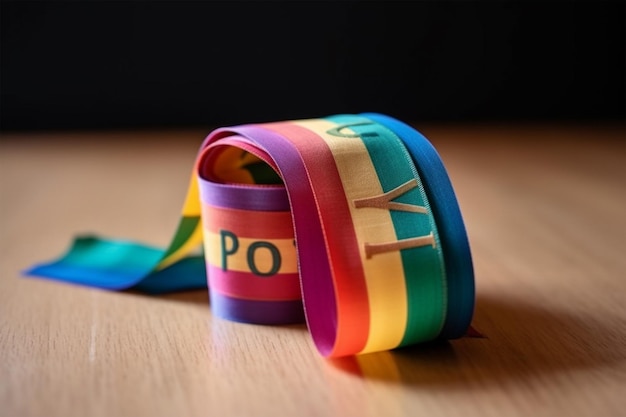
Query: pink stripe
(252, 287)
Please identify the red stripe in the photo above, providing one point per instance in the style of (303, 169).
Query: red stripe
(248, 223)
(342, 247)
(248, 286)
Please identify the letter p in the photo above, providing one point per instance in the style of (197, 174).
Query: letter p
(234, 246)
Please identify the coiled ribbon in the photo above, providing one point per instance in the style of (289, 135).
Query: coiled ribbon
(349, 222)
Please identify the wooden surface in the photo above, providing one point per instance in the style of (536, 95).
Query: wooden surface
(545, 212)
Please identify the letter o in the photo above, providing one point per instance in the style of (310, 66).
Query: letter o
(276, 260)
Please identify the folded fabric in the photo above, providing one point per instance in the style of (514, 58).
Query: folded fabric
(349, 222)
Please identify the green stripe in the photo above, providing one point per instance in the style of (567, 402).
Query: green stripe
(423, 266)
(186, 227)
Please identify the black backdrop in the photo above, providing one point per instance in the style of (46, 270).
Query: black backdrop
(129, 64)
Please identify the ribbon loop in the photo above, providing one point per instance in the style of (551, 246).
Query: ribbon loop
(349, 222)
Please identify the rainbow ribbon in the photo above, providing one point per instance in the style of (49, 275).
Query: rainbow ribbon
(349, 222)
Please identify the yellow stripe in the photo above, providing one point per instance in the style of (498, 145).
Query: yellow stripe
(194, 241)
(384, 273)
(191, 208)
(263, 260)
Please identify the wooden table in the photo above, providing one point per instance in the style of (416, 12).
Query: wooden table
(545, 211)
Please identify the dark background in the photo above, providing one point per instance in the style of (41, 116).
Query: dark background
(152, 64)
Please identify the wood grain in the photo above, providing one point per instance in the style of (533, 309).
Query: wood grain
(544, 207)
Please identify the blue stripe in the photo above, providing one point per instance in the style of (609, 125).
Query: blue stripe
(255, 311)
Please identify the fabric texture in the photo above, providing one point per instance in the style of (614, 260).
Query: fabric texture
(348, 222)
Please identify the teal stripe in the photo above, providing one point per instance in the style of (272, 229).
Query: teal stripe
(111, 264)
(423, 266)
(454, 241)
(117, 265)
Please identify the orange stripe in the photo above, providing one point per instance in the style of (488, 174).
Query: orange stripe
(248, 223)
(342, 248)
(384, 273)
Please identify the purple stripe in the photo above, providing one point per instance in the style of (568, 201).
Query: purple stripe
(259, 198)
(316, 277)
(252, 311)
